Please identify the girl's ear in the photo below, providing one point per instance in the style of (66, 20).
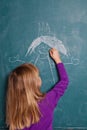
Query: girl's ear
(39, 82)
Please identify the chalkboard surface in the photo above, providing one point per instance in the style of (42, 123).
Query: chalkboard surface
(28, 29)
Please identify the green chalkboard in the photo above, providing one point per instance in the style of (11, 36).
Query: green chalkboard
(28, 29)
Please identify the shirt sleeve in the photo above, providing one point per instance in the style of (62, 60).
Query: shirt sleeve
(58, 90)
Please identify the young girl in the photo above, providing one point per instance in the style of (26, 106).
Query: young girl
(27, 107)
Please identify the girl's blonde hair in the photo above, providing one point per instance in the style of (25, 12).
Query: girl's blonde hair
(23, 96)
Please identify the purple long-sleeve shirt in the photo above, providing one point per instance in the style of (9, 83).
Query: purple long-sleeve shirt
(48, 104)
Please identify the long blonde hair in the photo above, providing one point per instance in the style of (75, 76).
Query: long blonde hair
(23, 95)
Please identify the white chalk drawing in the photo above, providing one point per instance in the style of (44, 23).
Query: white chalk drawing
(50, 41)
(46, 36)
(74, 61)
(44, 29)
(15, 59)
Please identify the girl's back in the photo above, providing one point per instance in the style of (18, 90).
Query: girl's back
(48, 104)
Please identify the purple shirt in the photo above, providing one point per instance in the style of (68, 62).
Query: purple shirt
(48, 104)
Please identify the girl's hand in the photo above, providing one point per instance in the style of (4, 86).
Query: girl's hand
(55, 55)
